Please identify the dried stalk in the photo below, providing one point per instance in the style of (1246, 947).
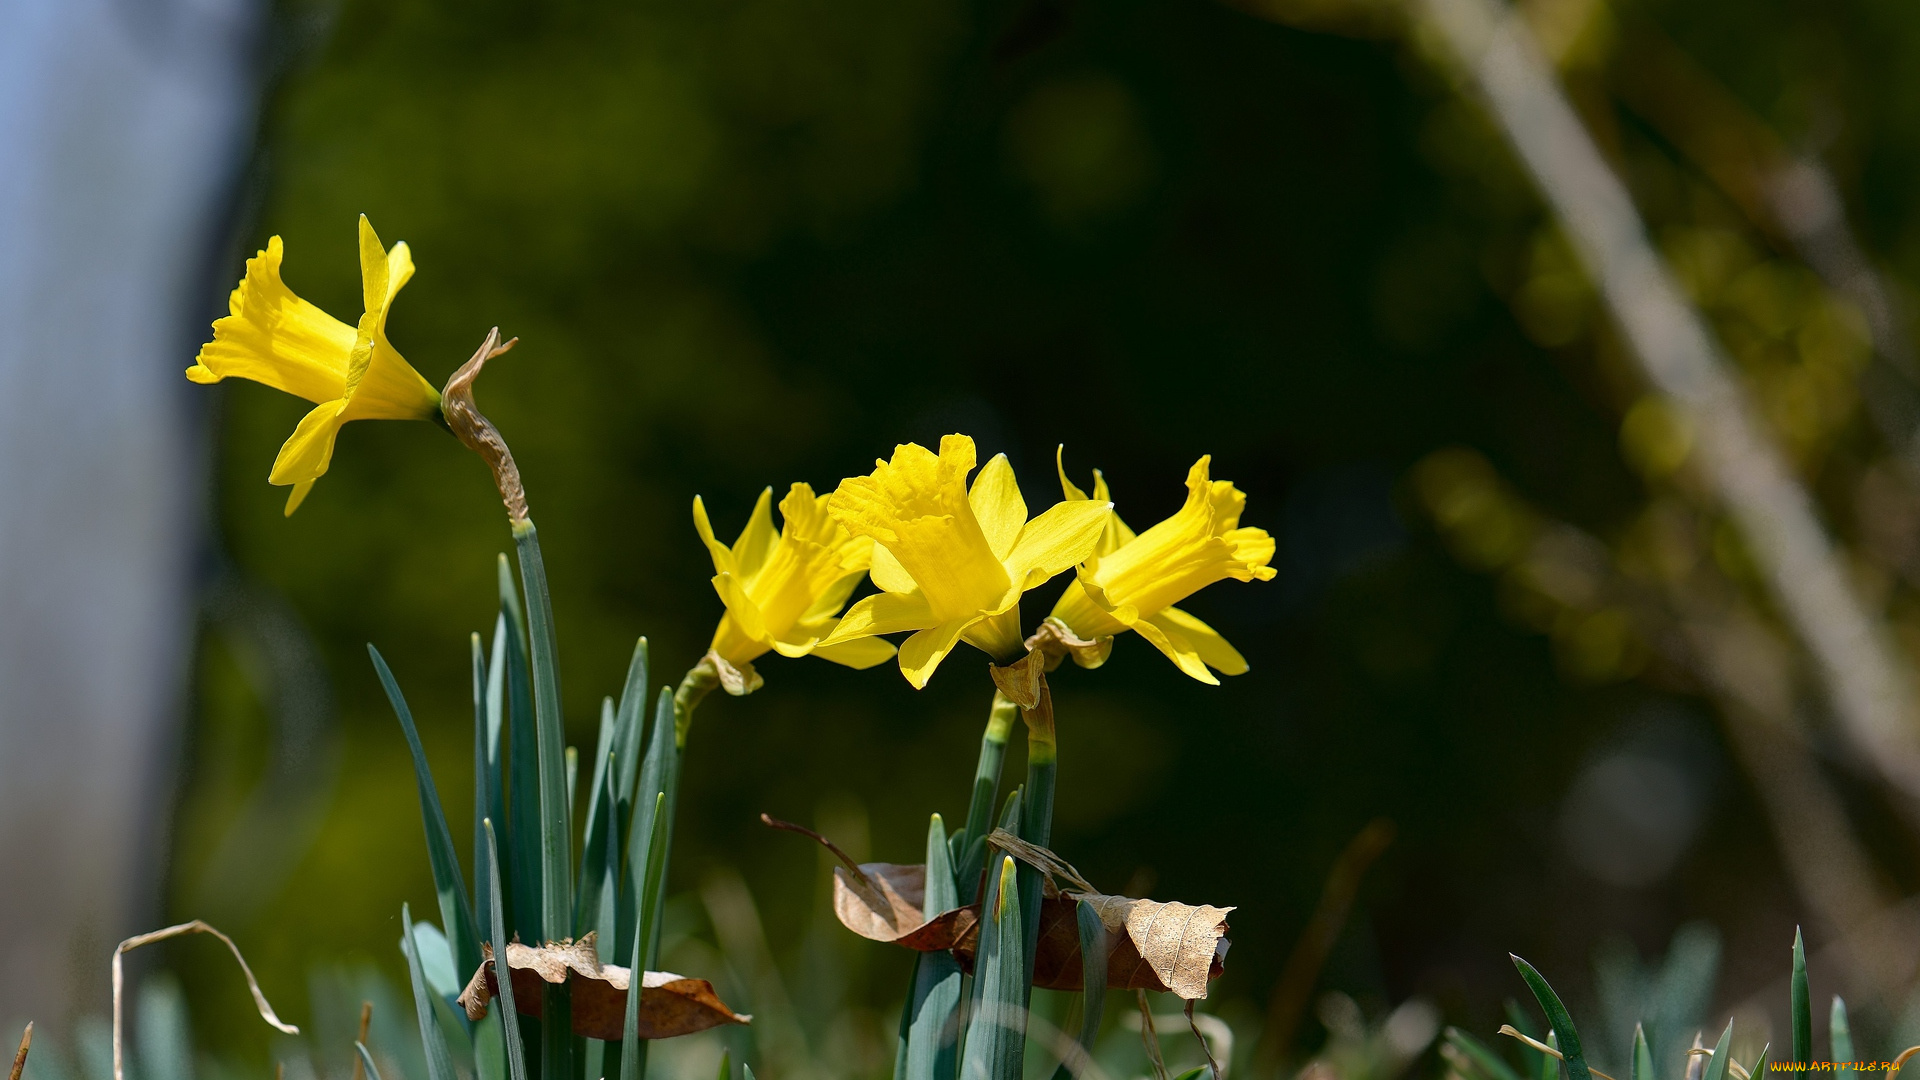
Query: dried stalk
(181, 930)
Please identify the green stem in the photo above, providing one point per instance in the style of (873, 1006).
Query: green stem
(1036, 819)
(970, 846)
(556, 846)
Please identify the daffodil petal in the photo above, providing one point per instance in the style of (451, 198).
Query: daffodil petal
(1062, 536)
(997, 505)
(859, 654)
(746, 613)
(297, 496)
(722, 554)
(1067, 487)
(888, 574)
(1177, 648)
(374, 291)
(273, 337)
(1205, 641)
(306, 453)
(883, 613)
(757, 540)
(922, 653)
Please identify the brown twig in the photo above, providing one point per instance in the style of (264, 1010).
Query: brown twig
(366, 1021)
(20, 1055)
(1295, 985)
(1194, 1026)
(1150, 1038)
(869, 891)
(180, 930)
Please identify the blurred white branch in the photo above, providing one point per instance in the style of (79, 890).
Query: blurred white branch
(1867, 684)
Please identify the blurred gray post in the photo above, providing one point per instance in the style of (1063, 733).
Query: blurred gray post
(124, 124)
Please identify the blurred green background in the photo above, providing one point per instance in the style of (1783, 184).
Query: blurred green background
(751, 242)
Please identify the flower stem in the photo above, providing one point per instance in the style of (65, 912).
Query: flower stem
(556, 845)
(1036, 820)
(970, 846)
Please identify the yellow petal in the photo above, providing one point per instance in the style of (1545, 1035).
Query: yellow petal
(1177, 648)
(756, 541)
(916, 506)
(374, 266)
(1056, 540)
(297, 496)
(888, 574)
(883, 613)
(721, 554)
(1116, 533)
(745, 613)
(859, 654)
(1205, 641)
(381, 385)
(307, 452)
(922, 653)
(998, 635)
(276, 338)
(997, 505)
(1067, 487)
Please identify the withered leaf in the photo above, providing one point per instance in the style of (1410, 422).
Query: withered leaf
(670, 1004)
(889, 909)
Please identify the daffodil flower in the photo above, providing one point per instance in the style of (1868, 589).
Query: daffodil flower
(350, 373)
(952, 563)
(1132, 581)
(784, 590)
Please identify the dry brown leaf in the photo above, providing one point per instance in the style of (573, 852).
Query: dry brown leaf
(1178, 946)
(670, 1004)
(1022, 680)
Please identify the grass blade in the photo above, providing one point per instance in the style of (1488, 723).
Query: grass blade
(432, 1039)
(726, 1065)
(1642, 1055)
(1565, 1038)
(633, 1057)
(486, 757)
(509, 1015)
(997, 1036)
(1717, 1065)
(455, 912)
(930, 1022)
(1802, 1004)
(1036, 822)
(523, 764)
(593, 844)
(1489, 1063)
(556, 834)
(366, 1060)
(628, 724)
(1759, 1070)
(659, 776)
(1840, 1034)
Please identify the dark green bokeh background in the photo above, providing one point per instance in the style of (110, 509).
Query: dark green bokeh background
(758, 241)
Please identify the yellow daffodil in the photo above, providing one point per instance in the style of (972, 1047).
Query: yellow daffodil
(1132, 582)
(783, 590)
(350, 373)
(952, 563)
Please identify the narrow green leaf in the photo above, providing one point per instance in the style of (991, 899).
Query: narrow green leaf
(930, 1021)
(599, 819)
(659, 775)
(1722, 1056)
(1491, 1064)
(1802, 1004)
(1531, 1061)
(373, 1071)
(997, 1035)
(628, 717)
(448, 882)
(523, 764)
(1550, 1066)
(432, 1039)
(747, 1069)
(556, 831)
(1642, 1055)
(1840, 1034)
(1759, 1070)
(1566, 1038)
(484, 755)
(1194, 1073)
(1036, 827)
(726, 1065)
(509, 1015)
(633, 1058)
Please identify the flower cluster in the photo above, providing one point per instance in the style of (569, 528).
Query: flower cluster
(949, 560)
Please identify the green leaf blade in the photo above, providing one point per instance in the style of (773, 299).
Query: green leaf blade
(432, 1039)
(1801, 1003)
(1561, 1024)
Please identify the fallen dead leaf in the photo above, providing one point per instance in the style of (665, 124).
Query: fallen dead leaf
(670, 1004)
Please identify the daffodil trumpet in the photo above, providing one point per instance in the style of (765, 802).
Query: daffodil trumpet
(952, 561)
(272, 336)
(1131, 581)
